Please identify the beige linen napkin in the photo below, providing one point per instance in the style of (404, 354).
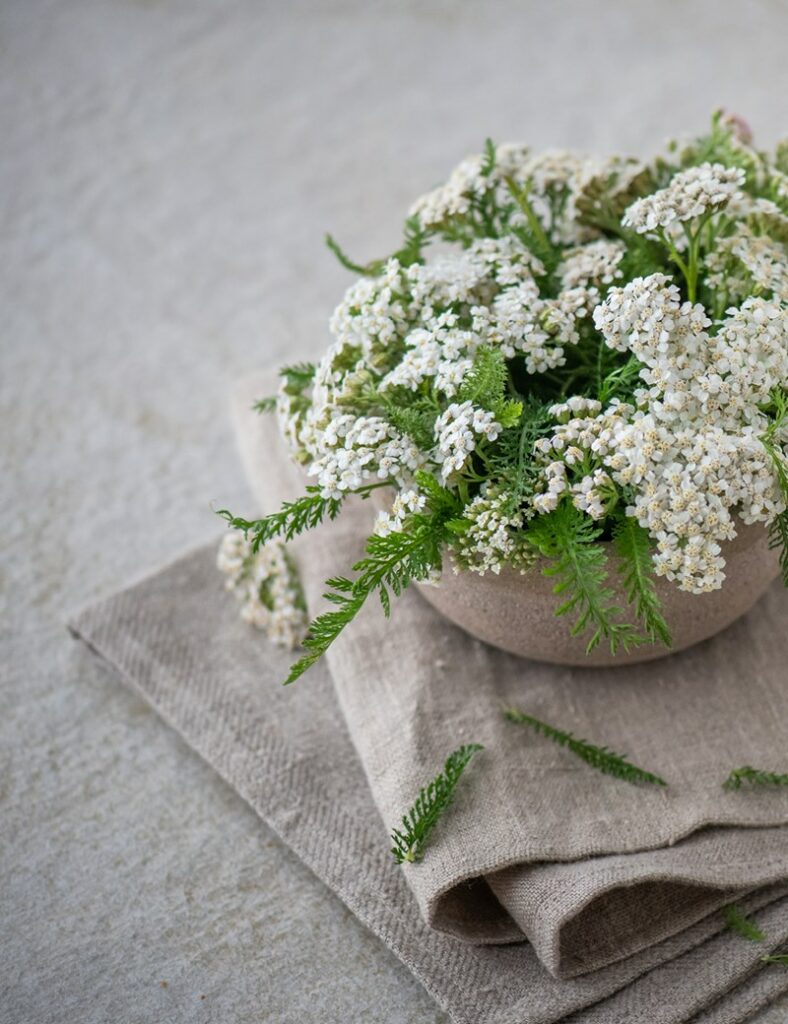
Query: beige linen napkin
(589, 868)
(563, 855)
(177, 639)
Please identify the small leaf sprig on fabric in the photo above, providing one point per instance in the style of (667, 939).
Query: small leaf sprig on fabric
(755, 776)
(601, 758)
(433, 799)
(775, 958)
(737, 921)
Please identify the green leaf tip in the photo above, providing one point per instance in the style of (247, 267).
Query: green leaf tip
(265, 405)
(293, 517)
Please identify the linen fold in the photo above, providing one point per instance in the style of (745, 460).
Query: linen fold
(590, 869)
(549, 893)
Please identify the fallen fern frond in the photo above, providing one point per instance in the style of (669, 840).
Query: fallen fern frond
(418, 822)
(601, 758)
(754, 775)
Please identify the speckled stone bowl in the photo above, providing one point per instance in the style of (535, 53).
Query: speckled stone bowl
(516, 612)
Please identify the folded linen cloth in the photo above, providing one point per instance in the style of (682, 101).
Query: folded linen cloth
(581, 864)
(568, 846)
(177, 639)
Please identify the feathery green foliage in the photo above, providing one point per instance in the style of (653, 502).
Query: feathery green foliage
(598, 757)
(416, 420)
(511, 461)
(267, 404)
(568, 540)
(490, 157)
(642, 257)
(755, 776)
(633, 547)
(532, 234)
(778, 528)
(737, 921)
(391, 563)
(418, 822)
(620, 382)
(415, 237)
(298, 376)
(365, 269)
(485, 382)
(293, 518)
(778, 541)
(485, 385)
(720, 145)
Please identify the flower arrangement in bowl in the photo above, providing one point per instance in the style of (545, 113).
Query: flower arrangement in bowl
(570, 386)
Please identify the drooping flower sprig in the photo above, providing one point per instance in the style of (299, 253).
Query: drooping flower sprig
(596, 351)
(265, 581)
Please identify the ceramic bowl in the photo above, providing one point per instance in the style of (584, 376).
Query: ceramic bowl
(517, 612)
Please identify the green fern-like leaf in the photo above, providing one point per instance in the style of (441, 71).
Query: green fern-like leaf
(532, 234)
(569, 541)
(620, 382)
(265, 405)
(391, 564)
(415, 238)
(419, 821)
(416, 420)
(633, 546)
(601, 758)
(365, 269)
(293, 518)
(778, 541)
(642, 257)
(485, 386)
(440, 500)
(778, 528)
(755, 776)
(737, 921)
(511, 461)
(490, 158)
(485, 382)
(298, 376)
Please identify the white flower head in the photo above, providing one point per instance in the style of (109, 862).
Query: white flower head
(690, 194)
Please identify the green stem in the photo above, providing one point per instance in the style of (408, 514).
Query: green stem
(520, 196)
(674, 255)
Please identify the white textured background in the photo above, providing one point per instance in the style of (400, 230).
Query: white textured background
(167, 169)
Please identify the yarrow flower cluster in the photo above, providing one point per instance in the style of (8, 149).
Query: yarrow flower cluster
(494, 536)
(456, 431)
(693, 193)
(598, 348)
(267, 586)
